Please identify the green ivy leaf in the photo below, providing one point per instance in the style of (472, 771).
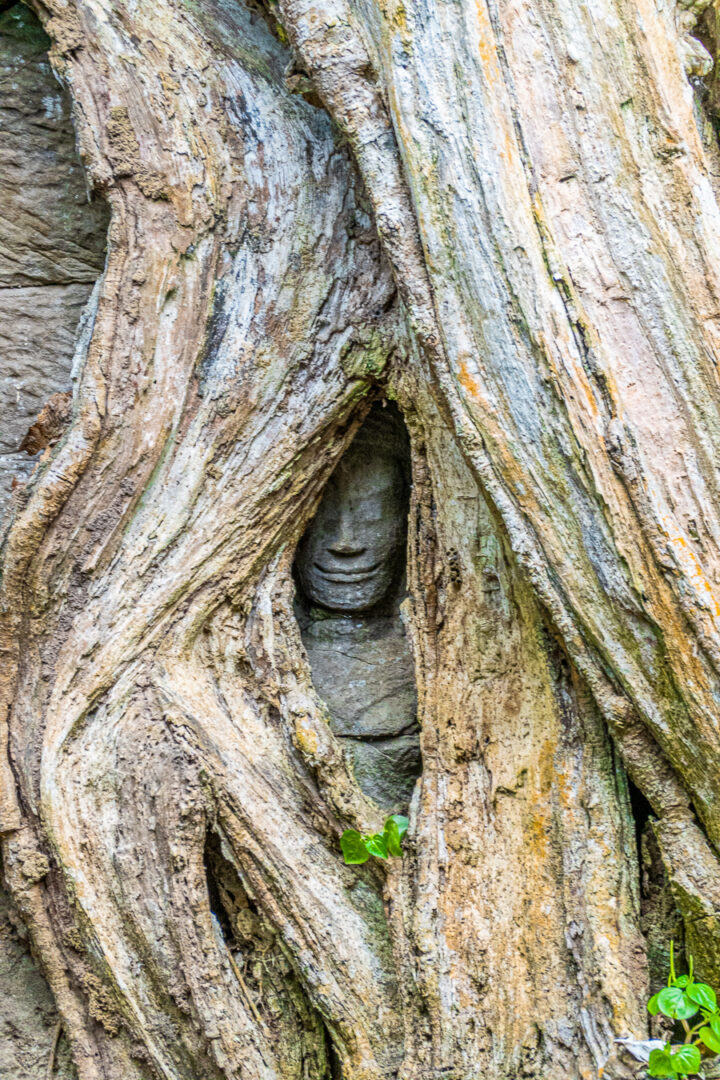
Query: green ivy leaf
(714, 1022)
(391, 836)
(702, 994)
(353, 847)
(376, 846)
(652, 1006)
(401, 822)
(660, 1064)
(686, 1060)
(710, 1039)
(673, 1003)
(682, 981)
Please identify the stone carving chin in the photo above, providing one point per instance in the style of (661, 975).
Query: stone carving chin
(350, 567)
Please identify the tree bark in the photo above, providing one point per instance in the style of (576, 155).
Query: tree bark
(504, 217)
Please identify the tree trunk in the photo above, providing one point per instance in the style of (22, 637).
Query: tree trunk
(503, 217)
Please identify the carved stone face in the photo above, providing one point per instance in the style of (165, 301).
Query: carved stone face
(353, 549)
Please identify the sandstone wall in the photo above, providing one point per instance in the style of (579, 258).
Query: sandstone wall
(52, 238)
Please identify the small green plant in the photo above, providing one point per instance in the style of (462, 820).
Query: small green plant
(357, 847)
(682, 999)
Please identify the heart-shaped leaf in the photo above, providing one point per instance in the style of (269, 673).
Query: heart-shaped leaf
(685, 1060)
(353, 847)
(710, 1039)
(376, 846)
(660, 1064)
(681, 981)
(702, 994)
(401, 822)
(391, 836)
(653, 1007)
(673, 1003)
(714, 1022)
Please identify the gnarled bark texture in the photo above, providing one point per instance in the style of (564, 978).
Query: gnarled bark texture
(503, 216)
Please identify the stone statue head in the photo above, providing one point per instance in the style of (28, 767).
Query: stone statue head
(353, 551)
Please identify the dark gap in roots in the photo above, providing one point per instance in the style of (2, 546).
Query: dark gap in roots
(641, 812)
(216, 905)
(268, 982)
(335, 1069)
(660, 921)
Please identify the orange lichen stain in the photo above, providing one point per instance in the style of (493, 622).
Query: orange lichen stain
(545, 767)
(468, 381)
(564, 789)
(693, 569)
(536, 833)
(306, 738)
(486, 45)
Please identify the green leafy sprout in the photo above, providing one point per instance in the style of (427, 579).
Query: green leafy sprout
(681, 1000)
(358, 847)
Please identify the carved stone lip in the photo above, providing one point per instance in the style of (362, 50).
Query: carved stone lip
(347, 575)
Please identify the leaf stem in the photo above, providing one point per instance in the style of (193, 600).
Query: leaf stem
(672, 962)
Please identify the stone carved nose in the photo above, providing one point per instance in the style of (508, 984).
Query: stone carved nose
(344, 541)
(346, 547)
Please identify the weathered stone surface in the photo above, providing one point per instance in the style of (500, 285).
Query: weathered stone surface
(37, 331)
(52, 238)
(51, 233)
(351, 562)
(387, 769)
(364, 671)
